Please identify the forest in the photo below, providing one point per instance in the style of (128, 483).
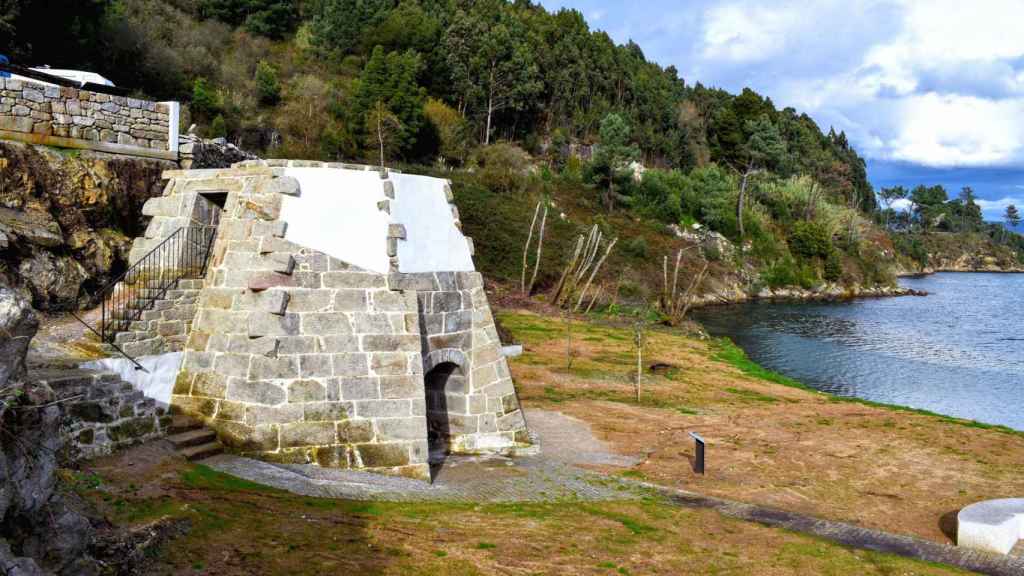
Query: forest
(516, 104)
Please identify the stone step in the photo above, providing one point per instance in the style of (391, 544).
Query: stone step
(192, 438)
(202, 451)
(190, 284)
(181, 423)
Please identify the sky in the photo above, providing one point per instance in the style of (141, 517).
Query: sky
(928, 91)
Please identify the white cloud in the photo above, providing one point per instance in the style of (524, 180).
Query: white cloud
(949, 130)
(994, 209)
(743, 32)
(910, 97)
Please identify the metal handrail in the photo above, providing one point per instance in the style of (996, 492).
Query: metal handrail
(182, 255)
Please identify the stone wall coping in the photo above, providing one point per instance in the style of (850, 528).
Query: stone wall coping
(74, 143)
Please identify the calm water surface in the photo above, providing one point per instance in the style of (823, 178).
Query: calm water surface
(958, 351)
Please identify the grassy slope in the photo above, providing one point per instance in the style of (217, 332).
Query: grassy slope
(771, 441)
(243, 528)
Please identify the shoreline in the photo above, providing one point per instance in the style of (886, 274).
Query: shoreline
(829, 293)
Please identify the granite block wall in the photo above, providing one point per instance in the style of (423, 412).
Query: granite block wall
(42, 111)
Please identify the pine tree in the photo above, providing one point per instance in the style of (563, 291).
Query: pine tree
(614, 154)
(1012, 217)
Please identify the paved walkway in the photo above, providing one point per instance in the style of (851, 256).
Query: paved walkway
(553, 474)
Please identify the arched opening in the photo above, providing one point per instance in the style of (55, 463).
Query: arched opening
(443, 383)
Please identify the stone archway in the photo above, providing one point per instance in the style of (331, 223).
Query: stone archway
(445, 389)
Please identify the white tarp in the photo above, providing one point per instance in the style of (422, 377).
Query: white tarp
(336, 213)
(433, 243)
(156, 383)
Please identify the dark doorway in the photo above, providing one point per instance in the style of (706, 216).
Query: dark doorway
(444, 380)
(208, 207)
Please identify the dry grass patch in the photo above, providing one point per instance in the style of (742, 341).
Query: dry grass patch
(770, 441)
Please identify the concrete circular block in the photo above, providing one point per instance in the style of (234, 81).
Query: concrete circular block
(992, 525)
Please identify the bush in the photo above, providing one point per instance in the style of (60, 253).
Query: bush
(268, 89)
(810, 239)
(205, 103)
(788, 272)
(218, 129)
(636, 247)
(658, 194)
(833, 267)
(502, 167)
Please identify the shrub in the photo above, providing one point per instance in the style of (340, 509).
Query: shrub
(218, 129)
(788, 272)
(658, 194)
(810, 239)
(636, 247)
(833, 267)
(268, 89)
(502, 167)
(205, 103)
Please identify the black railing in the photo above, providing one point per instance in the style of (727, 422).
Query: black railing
(181, 256)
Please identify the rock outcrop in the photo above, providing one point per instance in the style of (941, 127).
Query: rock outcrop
(41, 531)
(67, 217)
(197, 153)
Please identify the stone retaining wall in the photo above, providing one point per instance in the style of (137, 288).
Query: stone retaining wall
(73, 118)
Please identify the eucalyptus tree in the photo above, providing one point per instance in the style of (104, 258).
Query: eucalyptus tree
(491, 61)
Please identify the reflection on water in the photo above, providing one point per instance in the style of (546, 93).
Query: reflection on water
(959, 351)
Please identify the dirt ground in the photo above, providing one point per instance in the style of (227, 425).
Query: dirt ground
(239, 528)
(768, 443)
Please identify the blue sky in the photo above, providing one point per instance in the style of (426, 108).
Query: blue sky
(929, 91)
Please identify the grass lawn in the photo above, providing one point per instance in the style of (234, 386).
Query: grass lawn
(770, 440)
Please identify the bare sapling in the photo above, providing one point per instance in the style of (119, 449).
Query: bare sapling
(639, 339)
(567, 316)
(583, 259)
(568, 268)
(597, 296)
(526, 249)
(594, 272)
(670, 302)
(688, 297)
(540, 248)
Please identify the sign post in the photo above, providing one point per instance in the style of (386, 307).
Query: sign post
(698, 458)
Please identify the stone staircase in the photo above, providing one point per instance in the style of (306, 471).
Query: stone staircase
(192, 439)
(101, 412)
(164, 322)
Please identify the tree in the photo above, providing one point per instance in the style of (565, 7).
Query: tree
(491, 60)
(301, 117)
(764, 148)
(928, 203)
(270, 18)
(453, 132)
(889, 196)
(391, 79)
(268, 89)
(970, 213)
(614, 154)
(384, 130)
(338, 25)
(1012, 217)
